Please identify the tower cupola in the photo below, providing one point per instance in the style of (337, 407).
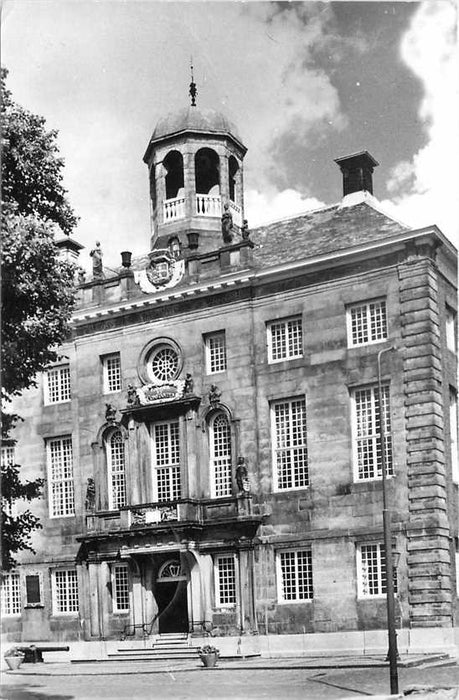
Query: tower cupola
(195, 162)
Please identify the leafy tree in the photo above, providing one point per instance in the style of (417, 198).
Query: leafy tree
(37, 286)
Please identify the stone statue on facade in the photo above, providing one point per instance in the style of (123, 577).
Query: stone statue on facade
(110, 413)
(245, 233)
(227, 224)
(90, 502)
(189, 384)
(97, 267)
(214, 395)
(132, 398)
(242, 476)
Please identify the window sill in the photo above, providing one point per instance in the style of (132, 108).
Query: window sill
(304, 601)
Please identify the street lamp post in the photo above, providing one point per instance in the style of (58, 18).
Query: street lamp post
(390, 599)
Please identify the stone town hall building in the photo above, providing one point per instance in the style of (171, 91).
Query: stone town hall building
(211, 438)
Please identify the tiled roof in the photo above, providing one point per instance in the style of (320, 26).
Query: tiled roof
(319, 232)
(308, 235)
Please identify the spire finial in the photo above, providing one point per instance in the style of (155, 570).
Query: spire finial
(193, 89)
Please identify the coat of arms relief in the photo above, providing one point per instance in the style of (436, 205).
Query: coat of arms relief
(165, 270)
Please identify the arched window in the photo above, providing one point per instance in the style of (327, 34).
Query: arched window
(116, 470)
(233, 167)
(220, 455)
(207, 169)
(173, 164)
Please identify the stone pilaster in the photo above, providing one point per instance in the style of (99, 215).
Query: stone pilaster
(429, 566)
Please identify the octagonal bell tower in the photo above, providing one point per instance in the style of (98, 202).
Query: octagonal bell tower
(195, 163)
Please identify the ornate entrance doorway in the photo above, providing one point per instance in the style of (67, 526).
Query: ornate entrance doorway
(171, 597)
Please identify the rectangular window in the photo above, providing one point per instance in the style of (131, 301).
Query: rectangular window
(65, 591)
(60, 477)
(225, 583)
(451, 329)
(33, 590)
(10, 594)
(371, 570)
(367, 323)
(111, 365)
(57, 385)
(166, 460)
(120, 583)
(294, 573)
(8, 455)
(285, 339)
(367, 433)
(290, 454)
(453, 428)
(8, 458)
(215, 352)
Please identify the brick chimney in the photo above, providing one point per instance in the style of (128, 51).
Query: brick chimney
(357, 172)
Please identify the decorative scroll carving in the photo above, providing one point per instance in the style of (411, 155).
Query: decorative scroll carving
(161, 393)
(147, 516)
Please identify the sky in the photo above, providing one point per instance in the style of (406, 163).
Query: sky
(305, 83)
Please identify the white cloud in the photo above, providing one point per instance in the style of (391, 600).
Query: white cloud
(261, 208)
(426, 188)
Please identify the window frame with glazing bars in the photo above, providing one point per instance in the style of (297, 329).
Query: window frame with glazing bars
(112, 380)
(380, 574)
(62, 387)
(216, 355)
(296, 476)
(115, 502)
(369, 325)
(366, 446)
(125, 593)
(299, 584)
(173, 469)
(220, 460)
(72, 593)
(11, 595)
(291, 340)
(229, 557)
(67, 483)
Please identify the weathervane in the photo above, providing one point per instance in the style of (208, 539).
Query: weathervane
(193, 89)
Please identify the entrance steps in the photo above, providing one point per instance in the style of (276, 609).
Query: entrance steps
(173, 647)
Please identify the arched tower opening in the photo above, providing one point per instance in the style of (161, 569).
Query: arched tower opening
(233, 167)
(207, 177)
(173, 164)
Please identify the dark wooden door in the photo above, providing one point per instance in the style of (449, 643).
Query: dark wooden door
(171, 597)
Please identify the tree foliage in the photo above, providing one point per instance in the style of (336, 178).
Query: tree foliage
(32, 172)
(37, 286)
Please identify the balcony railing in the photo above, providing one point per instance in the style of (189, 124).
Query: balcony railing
(156, 515)
(174, 209)
(208, 205)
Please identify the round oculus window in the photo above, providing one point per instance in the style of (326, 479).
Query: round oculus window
(163, 363)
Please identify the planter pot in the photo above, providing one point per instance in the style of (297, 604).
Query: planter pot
(13, 662)
(209, 660)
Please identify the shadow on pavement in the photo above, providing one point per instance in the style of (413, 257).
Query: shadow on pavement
(26, 692)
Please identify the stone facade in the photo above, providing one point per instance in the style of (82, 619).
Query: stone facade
(158, 531)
